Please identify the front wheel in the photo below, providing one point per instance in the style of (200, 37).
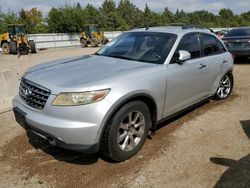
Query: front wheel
(6, 48)
(32, 46)
(83, 42)
(126, 131)
(13, 48)
(94, 42)
(225, 88)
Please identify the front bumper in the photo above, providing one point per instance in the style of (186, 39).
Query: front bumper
(70, 127)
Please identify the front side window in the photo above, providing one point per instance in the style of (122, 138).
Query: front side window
(148, 47)
(210, 45)
(191, 44)
(188, 43)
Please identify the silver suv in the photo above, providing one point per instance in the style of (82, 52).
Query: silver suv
(110, 101)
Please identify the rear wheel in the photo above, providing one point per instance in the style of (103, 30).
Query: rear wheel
(225, 88)
(83, 42)
(105, 40)
(13, 48)
(32, 46)
(94, 42)
(126, 132)
(6, 48)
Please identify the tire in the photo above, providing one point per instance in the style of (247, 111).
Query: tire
(13, 48)
(94, 42)
(32, 46)
(131, 138)
(105, 40)
(6, 48)
(83, 42)
(225, 88)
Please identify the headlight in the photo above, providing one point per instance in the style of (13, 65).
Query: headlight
(79, 98)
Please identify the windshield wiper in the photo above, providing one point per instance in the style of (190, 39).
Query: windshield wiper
(120, 57)
(97, 53)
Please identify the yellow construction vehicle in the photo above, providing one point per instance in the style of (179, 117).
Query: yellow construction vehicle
(16, 41)
(92, 35)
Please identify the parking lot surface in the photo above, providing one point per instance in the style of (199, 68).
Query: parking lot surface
(205, 147)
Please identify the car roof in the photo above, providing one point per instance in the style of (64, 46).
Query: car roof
(173, 29)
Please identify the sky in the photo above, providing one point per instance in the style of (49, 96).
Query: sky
(237, 6)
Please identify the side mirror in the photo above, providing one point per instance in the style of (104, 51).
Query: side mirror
(184, 55)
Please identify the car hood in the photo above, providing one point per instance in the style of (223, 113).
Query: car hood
(72, 74)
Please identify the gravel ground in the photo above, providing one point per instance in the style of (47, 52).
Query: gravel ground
(209, 146)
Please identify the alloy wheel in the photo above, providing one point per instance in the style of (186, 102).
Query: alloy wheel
(224, 88)
(131, 130)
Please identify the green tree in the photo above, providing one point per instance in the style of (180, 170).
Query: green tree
(92, 15)
(128, 13)
(167, 16)
(181, 17)
(227, 18)
(54, 20)
(147, 16)
(245, 19)
(33, 20)
(2, 29)
(110, 18)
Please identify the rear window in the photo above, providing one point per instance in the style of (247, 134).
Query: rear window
(242, 32)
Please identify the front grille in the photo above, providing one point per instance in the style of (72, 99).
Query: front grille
(33, 95)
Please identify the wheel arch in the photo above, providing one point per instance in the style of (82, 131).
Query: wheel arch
(4, 41)
(216, 82)
(146, 98)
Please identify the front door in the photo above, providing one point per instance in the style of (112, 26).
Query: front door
(185, 83)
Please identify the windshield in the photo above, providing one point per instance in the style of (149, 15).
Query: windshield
(20, 29)
(148, 47)
(242, 32)
(92, 28)
(13, 30)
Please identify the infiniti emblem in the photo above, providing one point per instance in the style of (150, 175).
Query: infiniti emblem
(27, 92)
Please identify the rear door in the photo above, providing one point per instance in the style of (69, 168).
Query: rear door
(185, 83)
(214, 58)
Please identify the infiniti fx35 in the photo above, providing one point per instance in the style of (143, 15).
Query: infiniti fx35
(110, 101)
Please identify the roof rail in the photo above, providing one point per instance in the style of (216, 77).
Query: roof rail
(193, 26)
(177, 24)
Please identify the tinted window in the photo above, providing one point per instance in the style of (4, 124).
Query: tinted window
(191, 44)
(221, 47)
(149, 47)
(238, 32)
(210, 45)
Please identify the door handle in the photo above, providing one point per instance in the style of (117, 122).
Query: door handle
(202, 66)
(224, 61)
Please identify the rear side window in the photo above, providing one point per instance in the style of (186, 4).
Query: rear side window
(242, 32)
(210, 45)
(191, 44)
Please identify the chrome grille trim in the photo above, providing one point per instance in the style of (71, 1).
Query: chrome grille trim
(33, 94)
